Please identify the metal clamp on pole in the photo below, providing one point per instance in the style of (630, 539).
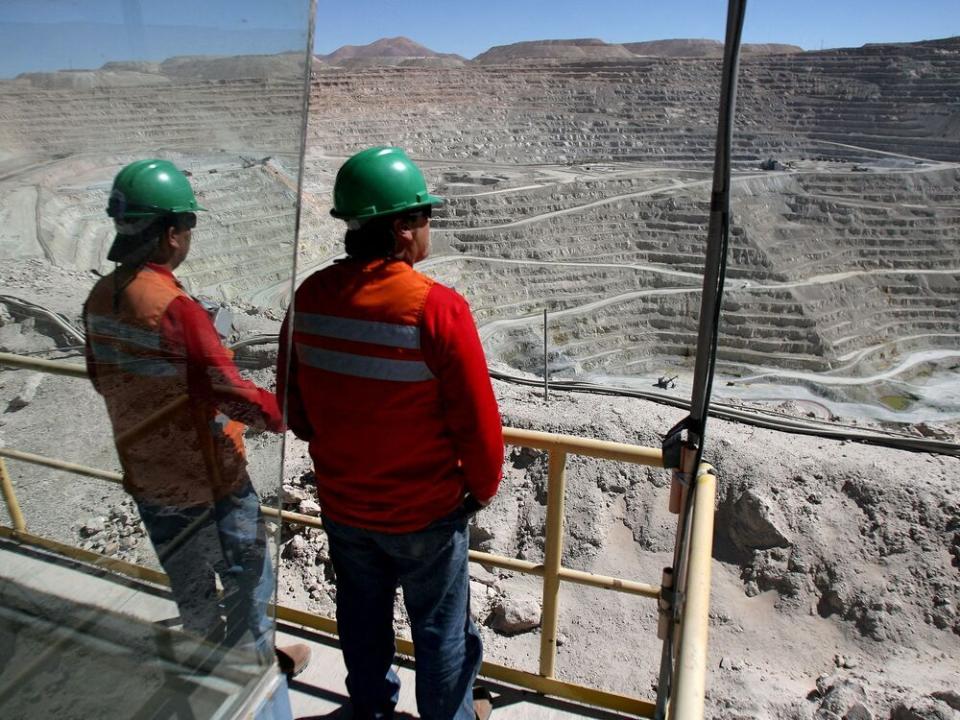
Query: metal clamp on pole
(680, 481)
(677, 438)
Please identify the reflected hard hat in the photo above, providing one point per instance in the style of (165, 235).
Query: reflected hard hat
(379, 181)
(149, 188)
(142, 192)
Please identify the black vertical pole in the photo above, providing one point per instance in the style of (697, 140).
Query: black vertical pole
(546, 367)
(710, 301)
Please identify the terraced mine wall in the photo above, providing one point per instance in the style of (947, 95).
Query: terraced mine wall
(238, 139)
(894, 98)
(580, 188)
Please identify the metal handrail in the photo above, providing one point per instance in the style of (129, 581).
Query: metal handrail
(523, 566)
(692, 624)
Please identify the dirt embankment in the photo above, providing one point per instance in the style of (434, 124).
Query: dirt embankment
(835, 575)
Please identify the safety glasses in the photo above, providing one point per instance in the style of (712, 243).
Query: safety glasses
(424, 212)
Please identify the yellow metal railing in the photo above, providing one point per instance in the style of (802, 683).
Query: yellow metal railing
(691, 657)
(690, 630)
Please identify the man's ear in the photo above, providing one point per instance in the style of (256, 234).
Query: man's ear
(400, 224)
(167, 239)
(401, 229)
(166, 244)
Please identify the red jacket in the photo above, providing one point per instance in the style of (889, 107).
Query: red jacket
(156, 346)
(388, 383)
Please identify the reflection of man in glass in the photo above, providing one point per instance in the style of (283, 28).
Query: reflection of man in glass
(176, 403)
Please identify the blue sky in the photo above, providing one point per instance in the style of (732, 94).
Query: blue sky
(54, 34)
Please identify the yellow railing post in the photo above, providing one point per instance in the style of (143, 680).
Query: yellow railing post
(553, 554)
(687, 699)
(13, 506)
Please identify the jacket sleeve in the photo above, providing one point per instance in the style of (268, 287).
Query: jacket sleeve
(452, 350)
(211, 373)
(288, 386)
(88, 354)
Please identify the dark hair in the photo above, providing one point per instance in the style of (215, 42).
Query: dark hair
(130, 249)
(373, 239)
(142, 247)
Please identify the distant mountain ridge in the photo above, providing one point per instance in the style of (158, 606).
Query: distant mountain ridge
(569, 50)
(384, 48)
(402, 50)
(592, 49)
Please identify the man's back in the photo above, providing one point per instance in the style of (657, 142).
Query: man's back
(387, 381)
(374, 372)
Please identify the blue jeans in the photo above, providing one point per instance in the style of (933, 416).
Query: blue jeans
(229, 538)
(431, 567)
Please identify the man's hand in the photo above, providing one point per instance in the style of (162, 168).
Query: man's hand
(471, 505)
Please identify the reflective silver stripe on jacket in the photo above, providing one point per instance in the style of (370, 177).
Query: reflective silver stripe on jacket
(363, 366)
(368, 331)
(111, 327)
(146, 367)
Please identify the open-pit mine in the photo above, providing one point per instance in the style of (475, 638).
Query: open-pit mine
(577, 184)
(579, 188)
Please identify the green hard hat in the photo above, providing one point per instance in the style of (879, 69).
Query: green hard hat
(379, 181)
(148, 188)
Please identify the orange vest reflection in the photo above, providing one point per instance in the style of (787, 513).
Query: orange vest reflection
(176, 449)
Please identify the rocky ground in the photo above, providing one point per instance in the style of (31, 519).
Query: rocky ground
(835, 575)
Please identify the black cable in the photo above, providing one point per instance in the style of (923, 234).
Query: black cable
(747, 416)
(756, 417)
(720, 204)
(713, 278)
(28, 307)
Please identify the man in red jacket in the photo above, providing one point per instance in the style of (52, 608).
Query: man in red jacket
(388, 383)
(176, 403)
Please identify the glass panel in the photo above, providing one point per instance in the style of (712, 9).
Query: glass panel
(578, 177)
(148, 173)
